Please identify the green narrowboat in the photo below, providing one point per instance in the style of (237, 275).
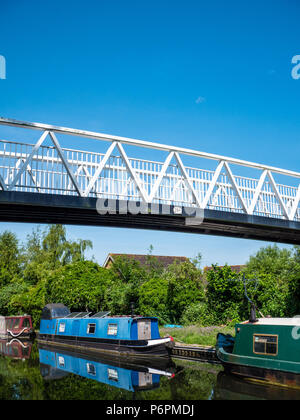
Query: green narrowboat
(266, 349)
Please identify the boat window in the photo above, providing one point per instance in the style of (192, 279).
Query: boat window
(9, 323)
(26, 323)
(91, 329)
(17, 323)
(113, 374)
(62, 327)
(61, 361)
(91, 369)
(265, 344)
(112, 329)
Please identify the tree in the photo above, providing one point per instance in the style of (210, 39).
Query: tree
(31, 300)
(272, 260)
(49, 250)
(127, 276)
(225, 294)
(277, 271)
(10, 258)
(153, 296)
(7, 295)
(185, 287)
(293, 294)
(81, 286)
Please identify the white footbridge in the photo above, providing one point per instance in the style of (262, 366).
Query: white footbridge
(44, 163)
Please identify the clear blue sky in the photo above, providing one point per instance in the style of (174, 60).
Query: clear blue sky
(213, 76)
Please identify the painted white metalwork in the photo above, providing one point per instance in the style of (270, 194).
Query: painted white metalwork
(57, 170)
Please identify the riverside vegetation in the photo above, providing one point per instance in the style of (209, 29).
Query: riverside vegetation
(50, 268)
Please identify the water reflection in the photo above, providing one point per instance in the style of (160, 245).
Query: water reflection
(29, 372)
(16, 348)
(230, 387)
(114, 372)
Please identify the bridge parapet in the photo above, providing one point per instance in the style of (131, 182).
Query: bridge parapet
(53, 169)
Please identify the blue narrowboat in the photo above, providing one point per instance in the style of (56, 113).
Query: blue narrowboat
(110, 371)
(118, 335)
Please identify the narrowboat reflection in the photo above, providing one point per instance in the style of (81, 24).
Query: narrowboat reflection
(15, 348)
(231, 387)
(110, 371)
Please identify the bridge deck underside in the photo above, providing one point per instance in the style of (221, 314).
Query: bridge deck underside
(46, 208)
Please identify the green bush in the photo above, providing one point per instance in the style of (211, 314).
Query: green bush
(80, 286)
(185, 287)
(153, 299)
(31, 301)
(197, 314)
(225, 294)
(50, 268)
(8, 294)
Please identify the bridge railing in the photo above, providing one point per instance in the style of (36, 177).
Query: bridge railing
(58, 170)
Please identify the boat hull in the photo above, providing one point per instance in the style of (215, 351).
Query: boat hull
(128, 348)
(267, 371)
(271, 376)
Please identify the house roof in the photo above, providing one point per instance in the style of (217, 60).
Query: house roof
(164, 260)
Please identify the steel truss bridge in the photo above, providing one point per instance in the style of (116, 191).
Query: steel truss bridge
(43, 181)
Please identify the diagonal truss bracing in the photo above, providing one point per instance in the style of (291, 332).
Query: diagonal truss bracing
(57, 170)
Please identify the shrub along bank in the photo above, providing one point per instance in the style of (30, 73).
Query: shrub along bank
(51, 268)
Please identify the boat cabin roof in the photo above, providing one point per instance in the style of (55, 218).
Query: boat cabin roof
(60, 311)
(292, 322)
(112, 317)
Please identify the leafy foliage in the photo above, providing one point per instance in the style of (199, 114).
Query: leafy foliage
(80, 286)
(153, 296)
(10, 258)
(185, 288)
(51, 268)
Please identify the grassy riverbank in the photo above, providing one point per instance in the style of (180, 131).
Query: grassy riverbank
(193, 334)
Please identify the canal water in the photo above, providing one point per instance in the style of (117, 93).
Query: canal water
(30, 372)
